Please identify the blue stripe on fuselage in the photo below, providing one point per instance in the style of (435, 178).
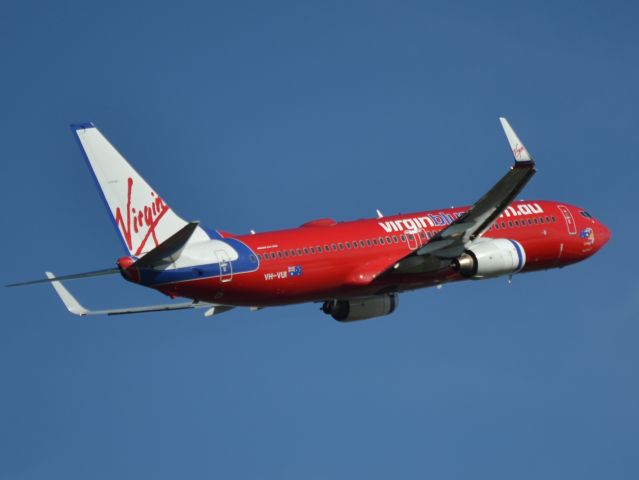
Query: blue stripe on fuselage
(246, 262)
(214, 234)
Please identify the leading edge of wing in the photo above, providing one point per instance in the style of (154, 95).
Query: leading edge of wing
(453, 240)
(76, 308)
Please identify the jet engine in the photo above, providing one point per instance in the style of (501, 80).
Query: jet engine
(361, 308)
(491, 258)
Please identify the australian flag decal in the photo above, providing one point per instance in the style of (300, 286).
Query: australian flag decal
(295, 271)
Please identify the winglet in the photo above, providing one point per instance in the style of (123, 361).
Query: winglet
(519, 150)
(69, 300)
(74, 306)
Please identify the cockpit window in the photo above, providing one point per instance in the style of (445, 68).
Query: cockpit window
(585, 214)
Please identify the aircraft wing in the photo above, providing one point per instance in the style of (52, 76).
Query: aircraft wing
(75, 276)
(76, 308)
(455, 239)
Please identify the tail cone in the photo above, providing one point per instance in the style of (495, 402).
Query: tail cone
(128, 271)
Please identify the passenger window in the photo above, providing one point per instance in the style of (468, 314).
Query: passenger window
(355, 244)
(312, 249)
(535, 220)
(541, 219)
(341, 246)
(510, 224)
(305, 251)
(375, 241)
(299, 252)
(333, 246)
(503, 224)
(496, 226)
(326, 249)
(395, 240)
(259, 256)
(553, 219)
(368, 242)
(286, 253)
(530, 221)
(381, 240)
(516, 223)
(348, 245)
(292, 252)
(362, 244)
(319, 249)
(403, 238)
(279, 254)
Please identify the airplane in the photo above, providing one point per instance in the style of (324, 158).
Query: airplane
(355, 269)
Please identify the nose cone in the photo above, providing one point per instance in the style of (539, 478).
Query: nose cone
(603, 234)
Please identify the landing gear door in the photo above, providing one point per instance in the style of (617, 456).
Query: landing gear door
(570, 221)
(226, 267)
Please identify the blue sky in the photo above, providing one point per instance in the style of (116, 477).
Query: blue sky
(263, 115)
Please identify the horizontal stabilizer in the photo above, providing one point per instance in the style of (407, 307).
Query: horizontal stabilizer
(169, 250)
(165, 253)
(75, 276)
(76, 308)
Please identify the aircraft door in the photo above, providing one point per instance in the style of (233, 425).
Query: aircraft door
(226, 267)
(570, 221)
(415, 238)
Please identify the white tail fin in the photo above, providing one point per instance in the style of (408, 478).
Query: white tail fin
(141, 216)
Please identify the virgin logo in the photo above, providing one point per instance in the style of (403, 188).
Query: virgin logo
(518, 150)
(144, 220)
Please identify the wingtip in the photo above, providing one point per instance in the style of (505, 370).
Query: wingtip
(521, 154)
(69, 300)
(81, 126)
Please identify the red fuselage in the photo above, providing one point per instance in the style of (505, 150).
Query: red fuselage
(324, 259)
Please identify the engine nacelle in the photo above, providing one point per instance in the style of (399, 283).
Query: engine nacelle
(491, 258)
(361, 308)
